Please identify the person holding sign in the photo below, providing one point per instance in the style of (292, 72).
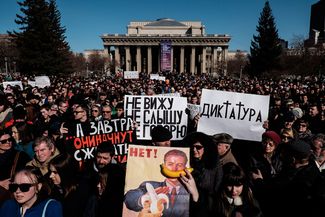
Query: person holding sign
(161, 136)
(167, 198)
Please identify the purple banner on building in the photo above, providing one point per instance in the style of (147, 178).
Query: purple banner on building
(166, 56)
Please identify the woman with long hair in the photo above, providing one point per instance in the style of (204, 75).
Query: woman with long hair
(108, 198)
(207, 173)
(30, 197)
(22, 133)
(235, 197)
(67, 186)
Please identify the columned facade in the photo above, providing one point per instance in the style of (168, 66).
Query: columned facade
(191, 50)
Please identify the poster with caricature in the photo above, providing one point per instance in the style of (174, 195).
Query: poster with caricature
(149, 188)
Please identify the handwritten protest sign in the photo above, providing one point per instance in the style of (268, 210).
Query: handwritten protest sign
(139, 189)
(31, 83)
(84, 138)
(131, 75)
(150, 111)
(241, 115)
(154, 76)
(42, 81)
(12, 84)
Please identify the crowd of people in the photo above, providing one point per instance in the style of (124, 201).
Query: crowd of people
(280, 176)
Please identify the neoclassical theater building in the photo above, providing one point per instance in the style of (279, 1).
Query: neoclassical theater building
(168, 45)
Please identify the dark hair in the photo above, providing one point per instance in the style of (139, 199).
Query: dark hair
(67, 169)
(105, 147)
(4, 132)
(210, 156)
(25, 132)
(233, 175)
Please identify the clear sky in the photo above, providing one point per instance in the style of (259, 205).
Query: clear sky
(87, 20)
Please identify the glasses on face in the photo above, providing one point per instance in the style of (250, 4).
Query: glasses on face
(197, 147)
(107, 112)
(303, 125)
(94, 110)
(5, 141)
(77, 112)
(286, 137)
(24, 187)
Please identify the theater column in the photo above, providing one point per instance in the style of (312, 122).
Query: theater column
(171, 59)
(224, 60)
(117, 58)
(193, 60)
(139, 59)
(203, 58)
(128, 58)
(149, 60)
(181, 60)
(215, 61)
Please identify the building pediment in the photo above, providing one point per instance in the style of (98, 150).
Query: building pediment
(165, 22)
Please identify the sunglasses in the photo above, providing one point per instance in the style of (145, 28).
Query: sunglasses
(24, 187)
(198, 147)
(107, 111)
(303, 125)
(94, 111)
(5, 141)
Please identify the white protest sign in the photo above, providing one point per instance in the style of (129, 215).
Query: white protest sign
(161, 78)
(12, 84)
(131, 75)
(150, 111)
(32, 83)
(42, 81)
(194, 110)
(241, 115)
(154, 76)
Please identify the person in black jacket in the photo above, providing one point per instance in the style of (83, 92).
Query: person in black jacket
(235, 197)
(108, 199)
(11, 161)
(207, 174)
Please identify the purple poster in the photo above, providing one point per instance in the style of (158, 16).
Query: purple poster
(165, 60)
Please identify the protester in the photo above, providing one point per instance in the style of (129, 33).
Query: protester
(5, 112)
(67, 187)
(223, 143)
(161, 136)
(207, 173)
(29, 198)
(267, 160)
(235, 197)
(293, 191)
(108, 197)
(11, 160)
(45, 150)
